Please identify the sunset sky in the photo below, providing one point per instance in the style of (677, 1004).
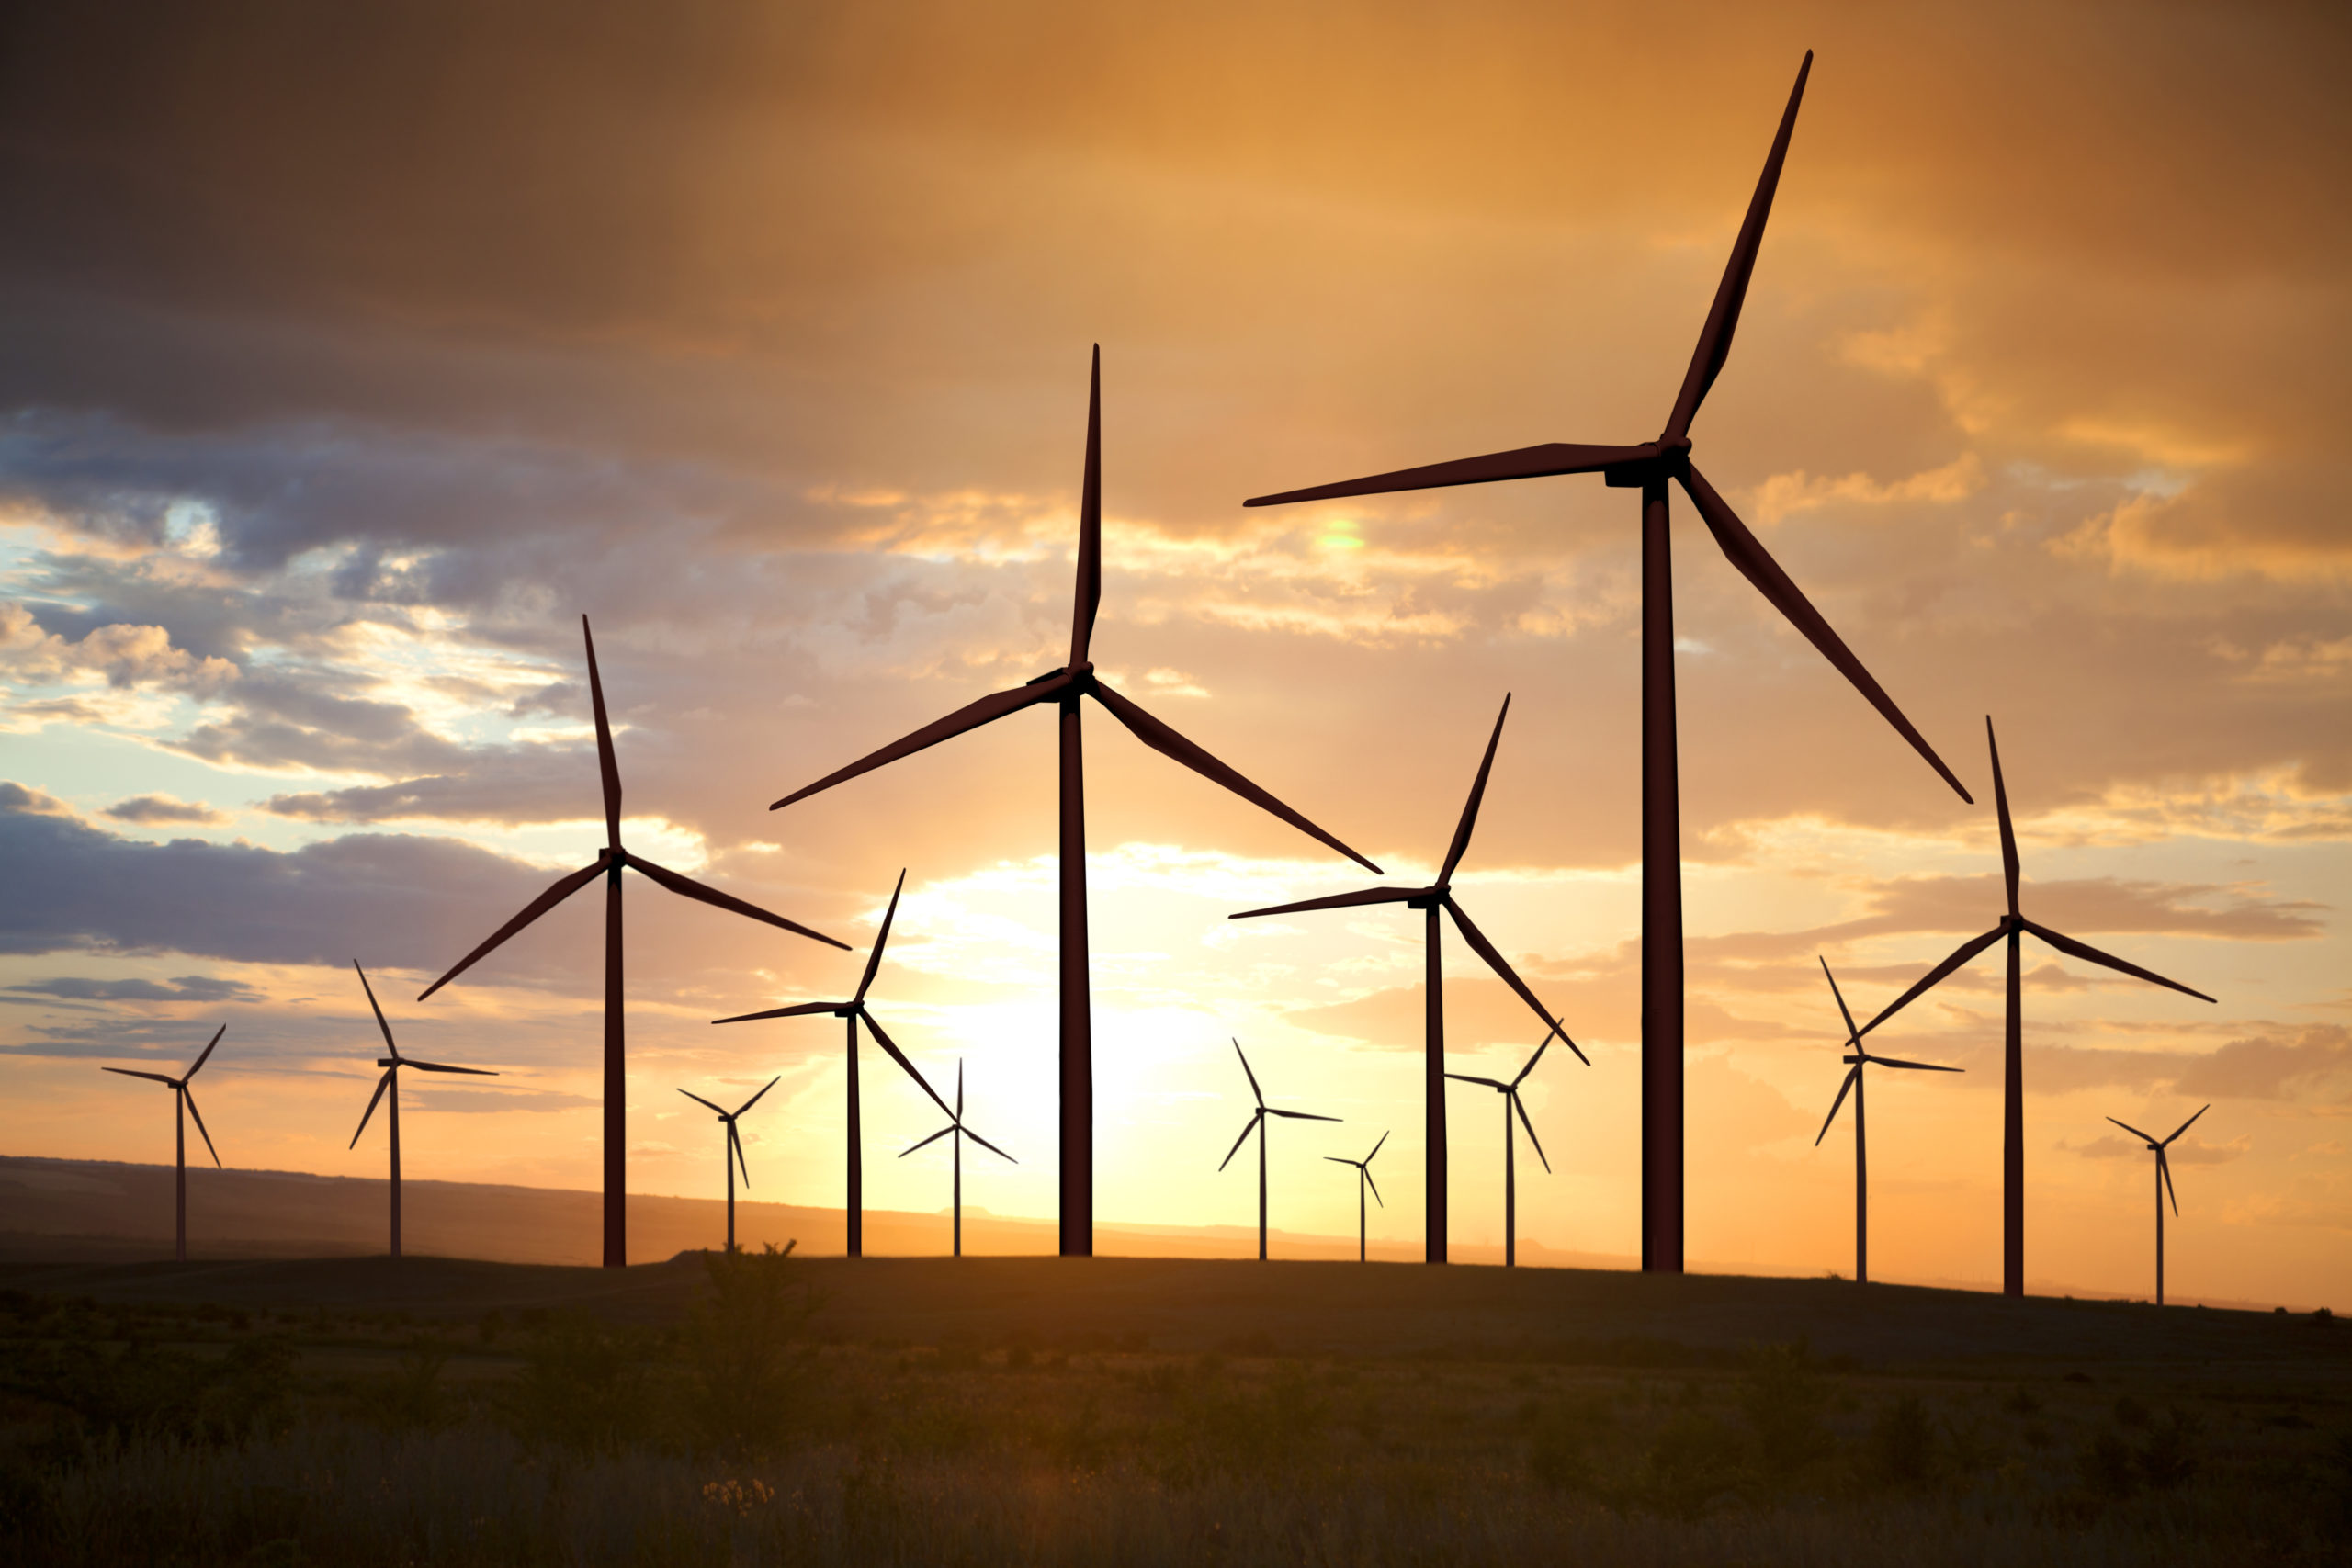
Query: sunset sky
(349, 354)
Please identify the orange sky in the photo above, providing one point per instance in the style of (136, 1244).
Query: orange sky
(348, 356)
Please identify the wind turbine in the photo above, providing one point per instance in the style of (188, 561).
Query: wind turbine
(957, 1132)
(854, 1009)
(1363, 1181)
(734, 1150)
(1257, 1123)
(1511, 1102)
(1860, 1059)
(1429, 900)
(2014, 926)
(1648, 468)
(2163, 1186)
(184, 1106)
(609, 862)
(393, 1063)
(1065, 688)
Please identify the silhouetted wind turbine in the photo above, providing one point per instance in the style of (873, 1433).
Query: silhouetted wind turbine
(2163, 1186)
(1648, 468)
(733, 1155)
(1431, 899)
(1512, 1103)
(1063, 688)
(1363, 1181)
(958, 1133)
(854, 1009)
(2014, 926)
(392, 1063)
(1860, 1059)
(1257, 1123)
(184, 1106)
(609, 862)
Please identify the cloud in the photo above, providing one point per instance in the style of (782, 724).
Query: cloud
(2315, 1063)
(185, 988)
(2191, 1150)
(486, 1101)
(117, 655)
(147, 810)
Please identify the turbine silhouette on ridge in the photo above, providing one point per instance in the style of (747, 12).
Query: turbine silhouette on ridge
(732, 1154)
(1257, 1123)
(957, 1131)
(1861, 1058)
(183, 1107)
(1363, 1180)
(1512, 1103)
(392, 1062)
(2163, 1184)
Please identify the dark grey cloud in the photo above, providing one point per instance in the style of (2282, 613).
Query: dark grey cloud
(185, 988)
(147, 810)
(2312, 1063)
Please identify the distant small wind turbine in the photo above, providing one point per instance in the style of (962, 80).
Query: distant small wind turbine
(183, 1101)
(1429, 900)
(2163, 1186)
(1257, 1123)
(391, 1082)
(1856, 1062)
(854, 1009)
(1512, 1103)
(734, 1150)
(1363, 1181)
(958, 1132)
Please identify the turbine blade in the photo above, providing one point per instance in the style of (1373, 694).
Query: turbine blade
(1960, 956)
(763, 1089)
(1517, 1105)
(1495, 961)
(439, 1068)
(133, 1073)
(1914, 1066)
(928, 1142)
(1338, 901)
(1852, 1074)
(1257, 1093)
(1545, 1045)
(2145, 1137)
(735, 1144)
(1461, 844)
(2185, 1126)
(1723, 316)
(1851, 1032)
(1368, 1182)
(971, 716)
(380, 1024)
(1168, 743)
(2164, 1168)
(1303, 1115)
(563, 889)
(2001, 808)
(2090, 954)
(608, 768)
(990, 1147)
(1495, 1084)
(882, 1038)
(1756, 565)
(1520, 463)
(687, 887)
(1376, 1149)
(198, 1115)
(874, 959)
(207, 1055)
(1251, 1127)
(798, 1009)
(704, 1103)
(382, 1084)
(959, 1091)
(1090, 523)
(1335, 1159)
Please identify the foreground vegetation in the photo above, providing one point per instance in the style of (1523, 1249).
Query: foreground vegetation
(208, 1435)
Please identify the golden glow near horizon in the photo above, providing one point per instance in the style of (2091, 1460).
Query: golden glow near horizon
(770, 358)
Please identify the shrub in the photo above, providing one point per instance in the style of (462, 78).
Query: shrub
(749, 1367)
(2107, 1467)
(2169, 1455)
(584, 1386)
(1784, 1397)
(1696, 1458)
(1902, 1449)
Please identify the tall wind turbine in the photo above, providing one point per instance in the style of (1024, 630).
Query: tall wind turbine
(1363, 1181)
(1648, 468)
(854, 1009)
(1065, 688)
(184, 1106)
(733, 1155)
(609, 862)
(1429, 900)
(1861, 1058)
(1512, 1103)
(392, 1062)
(1257, 1123)
(2014, 926)
(957, 1132)
(2163, 1186)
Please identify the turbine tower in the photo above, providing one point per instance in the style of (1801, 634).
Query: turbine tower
(1257, 1123)
(609, 864)
(733, 1154)
(184, 1106)
(1066, 688)
(2014, 926)
(392, 1062)
(2163, 1186)
(957, 1132)
(1512, 1103)
(1648, 468)
(1363, 1181)
(1860, 1059)
(1430, 900)
(853, 1010)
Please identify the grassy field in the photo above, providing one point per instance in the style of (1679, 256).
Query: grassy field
(1125, 1410)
